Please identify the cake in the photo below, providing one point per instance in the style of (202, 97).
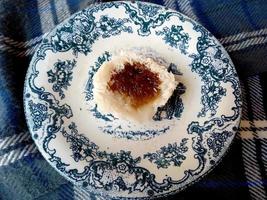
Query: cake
(131, 87)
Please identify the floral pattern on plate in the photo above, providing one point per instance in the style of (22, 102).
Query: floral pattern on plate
(107, 155)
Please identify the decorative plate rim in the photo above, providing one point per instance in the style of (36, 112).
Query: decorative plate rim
(225, 150)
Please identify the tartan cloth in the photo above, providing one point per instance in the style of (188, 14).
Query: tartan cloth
(240, 25)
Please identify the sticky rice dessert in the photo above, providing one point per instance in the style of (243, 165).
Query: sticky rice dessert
(132, 88)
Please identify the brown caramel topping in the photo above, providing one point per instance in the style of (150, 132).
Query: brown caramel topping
(136, 83)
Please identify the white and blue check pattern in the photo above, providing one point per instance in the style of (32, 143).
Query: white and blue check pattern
(240, 25)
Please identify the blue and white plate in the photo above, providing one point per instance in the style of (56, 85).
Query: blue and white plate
(115, 157)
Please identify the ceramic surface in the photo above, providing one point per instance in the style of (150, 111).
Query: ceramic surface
(112, 156)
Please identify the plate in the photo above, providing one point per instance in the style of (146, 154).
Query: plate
(109, 156)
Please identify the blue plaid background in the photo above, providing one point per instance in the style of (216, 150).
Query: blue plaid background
(240, 25)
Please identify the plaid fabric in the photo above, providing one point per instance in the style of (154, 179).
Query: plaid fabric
(240, 25)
